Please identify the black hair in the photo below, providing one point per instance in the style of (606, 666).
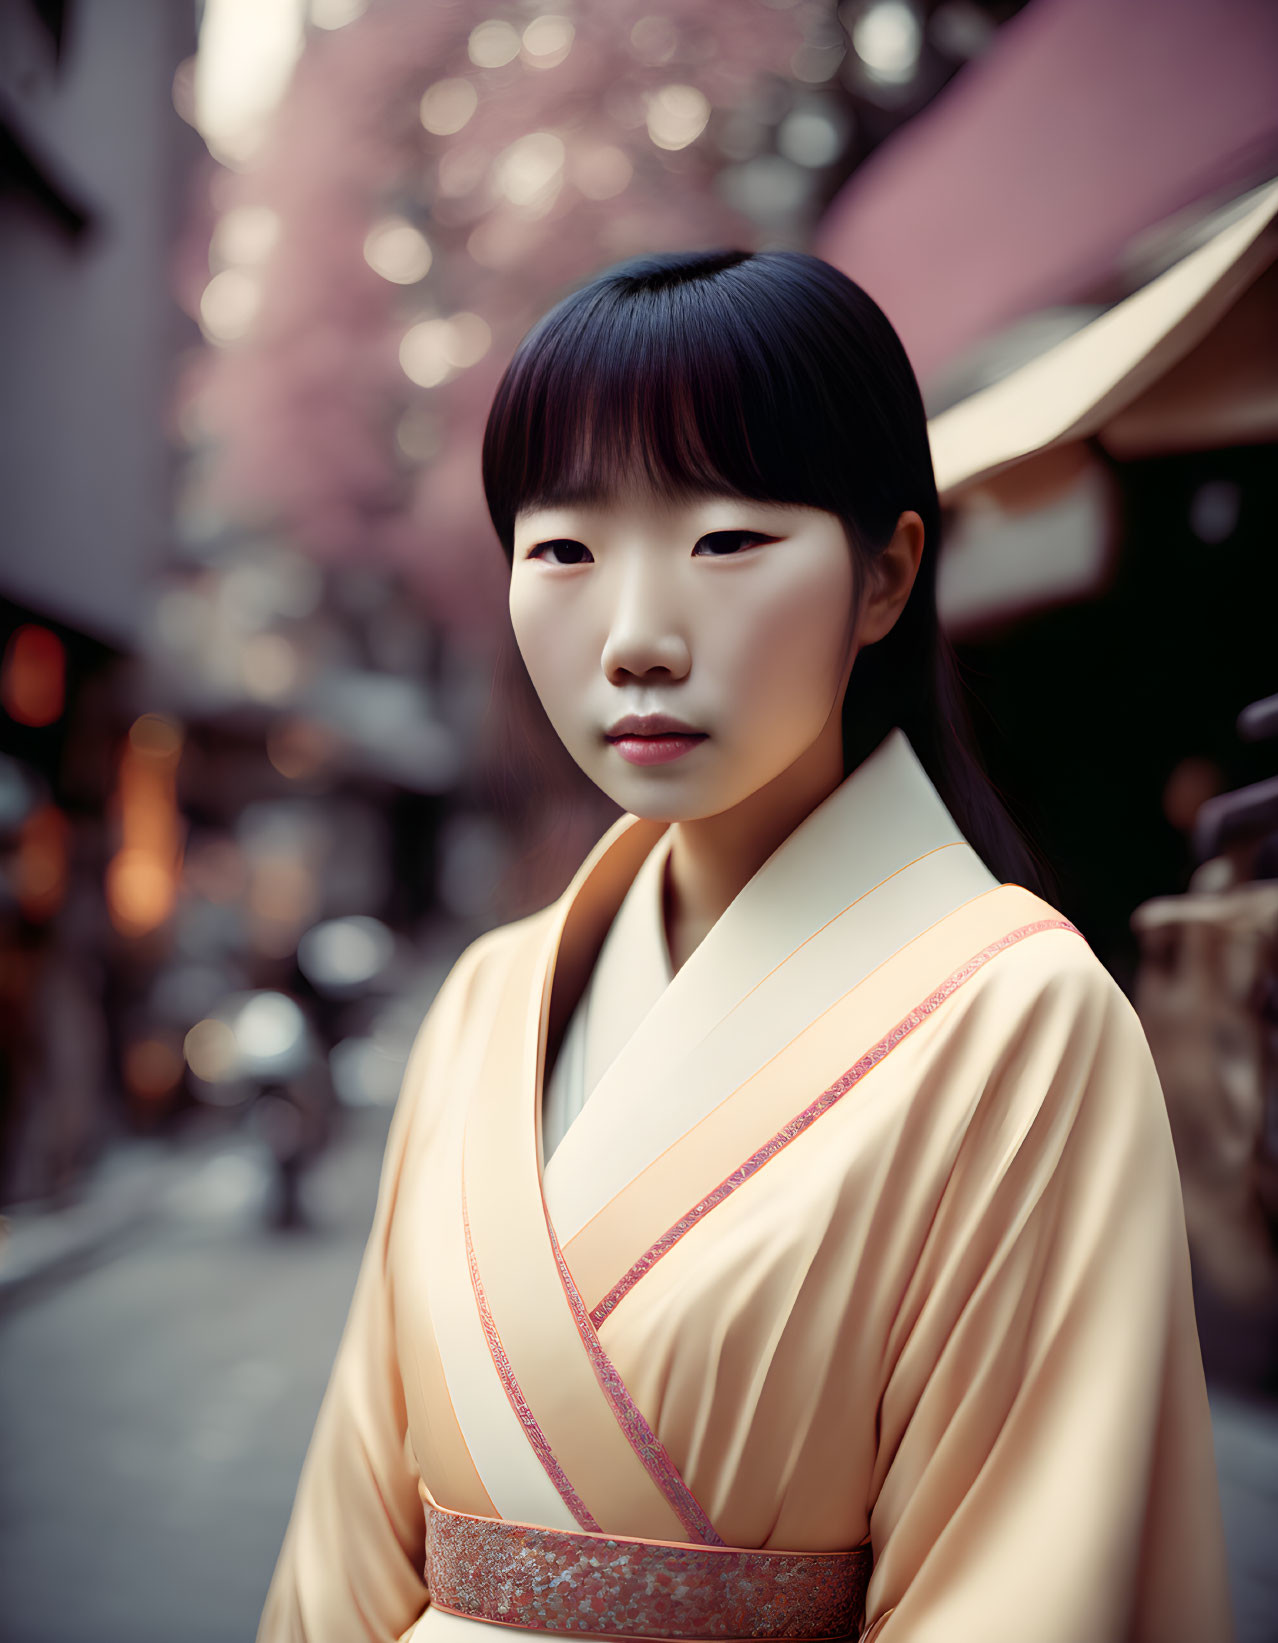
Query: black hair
(771, 376)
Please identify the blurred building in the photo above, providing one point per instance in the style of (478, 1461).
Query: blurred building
(1111, 590)
(93, 160)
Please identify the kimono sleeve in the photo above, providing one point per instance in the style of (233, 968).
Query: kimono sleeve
(351, 1565)
(1046, 1467)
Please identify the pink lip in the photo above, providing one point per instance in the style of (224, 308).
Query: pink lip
(654, 749)
(653, 738)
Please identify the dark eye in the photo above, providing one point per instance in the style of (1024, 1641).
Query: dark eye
(562, 551)
(723, 544)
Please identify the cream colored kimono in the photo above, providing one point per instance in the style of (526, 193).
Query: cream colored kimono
(863, 1228)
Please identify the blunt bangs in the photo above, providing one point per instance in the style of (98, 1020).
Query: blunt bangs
(690, 375)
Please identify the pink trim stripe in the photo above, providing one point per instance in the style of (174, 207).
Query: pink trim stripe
(514, 1392)
(642, 1439)
(811, 1113)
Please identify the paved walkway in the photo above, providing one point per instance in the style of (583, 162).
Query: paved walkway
(1247, 1455)
(158, 1403)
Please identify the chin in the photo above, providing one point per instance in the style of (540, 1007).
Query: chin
(668, 801)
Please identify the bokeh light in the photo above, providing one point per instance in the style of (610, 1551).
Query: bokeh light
(436, 348)
(447, 105)
(811, 137)
(677, 115)
(269, 1026)
(142, 877)
(246, 57)
(229, 305)
(397, 251)
(33, 676)
(547, 40)
(211, 1050)
(530, 171)
(140, 890)
(887, 36)
(245, 235)
(493, 44)
(270, 667)
(343, 953)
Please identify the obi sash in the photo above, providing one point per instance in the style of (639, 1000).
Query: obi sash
(618, 1586)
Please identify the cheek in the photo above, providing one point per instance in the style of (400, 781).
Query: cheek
(553, 654)
(785, 648)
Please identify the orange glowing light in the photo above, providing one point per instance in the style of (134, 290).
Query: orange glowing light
(142, 877)
(33, 676)
(140, 892)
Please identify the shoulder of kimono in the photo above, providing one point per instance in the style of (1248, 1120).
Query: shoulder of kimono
(1041, 956)
(1054, 1036)
(472, 983)
(1051, 969)
(488, 955)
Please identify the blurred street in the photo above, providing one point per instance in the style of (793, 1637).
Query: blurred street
(178, 1382)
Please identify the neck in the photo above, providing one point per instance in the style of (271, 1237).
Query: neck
(713, 857)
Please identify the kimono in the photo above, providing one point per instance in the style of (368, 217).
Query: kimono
(859, 1237)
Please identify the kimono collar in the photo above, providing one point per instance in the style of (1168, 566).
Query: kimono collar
(882, 816)
(878, 861)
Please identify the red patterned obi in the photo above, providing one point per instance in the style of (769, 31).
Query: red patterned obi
(615, 1586)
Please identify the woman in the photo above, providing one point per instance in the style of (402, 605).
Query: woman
(780, 1233)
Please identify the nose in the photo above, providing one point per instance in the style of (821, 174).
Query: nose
(644, 635)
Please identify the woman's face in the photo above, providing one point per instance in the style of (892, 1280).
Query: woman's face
(734, 618)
